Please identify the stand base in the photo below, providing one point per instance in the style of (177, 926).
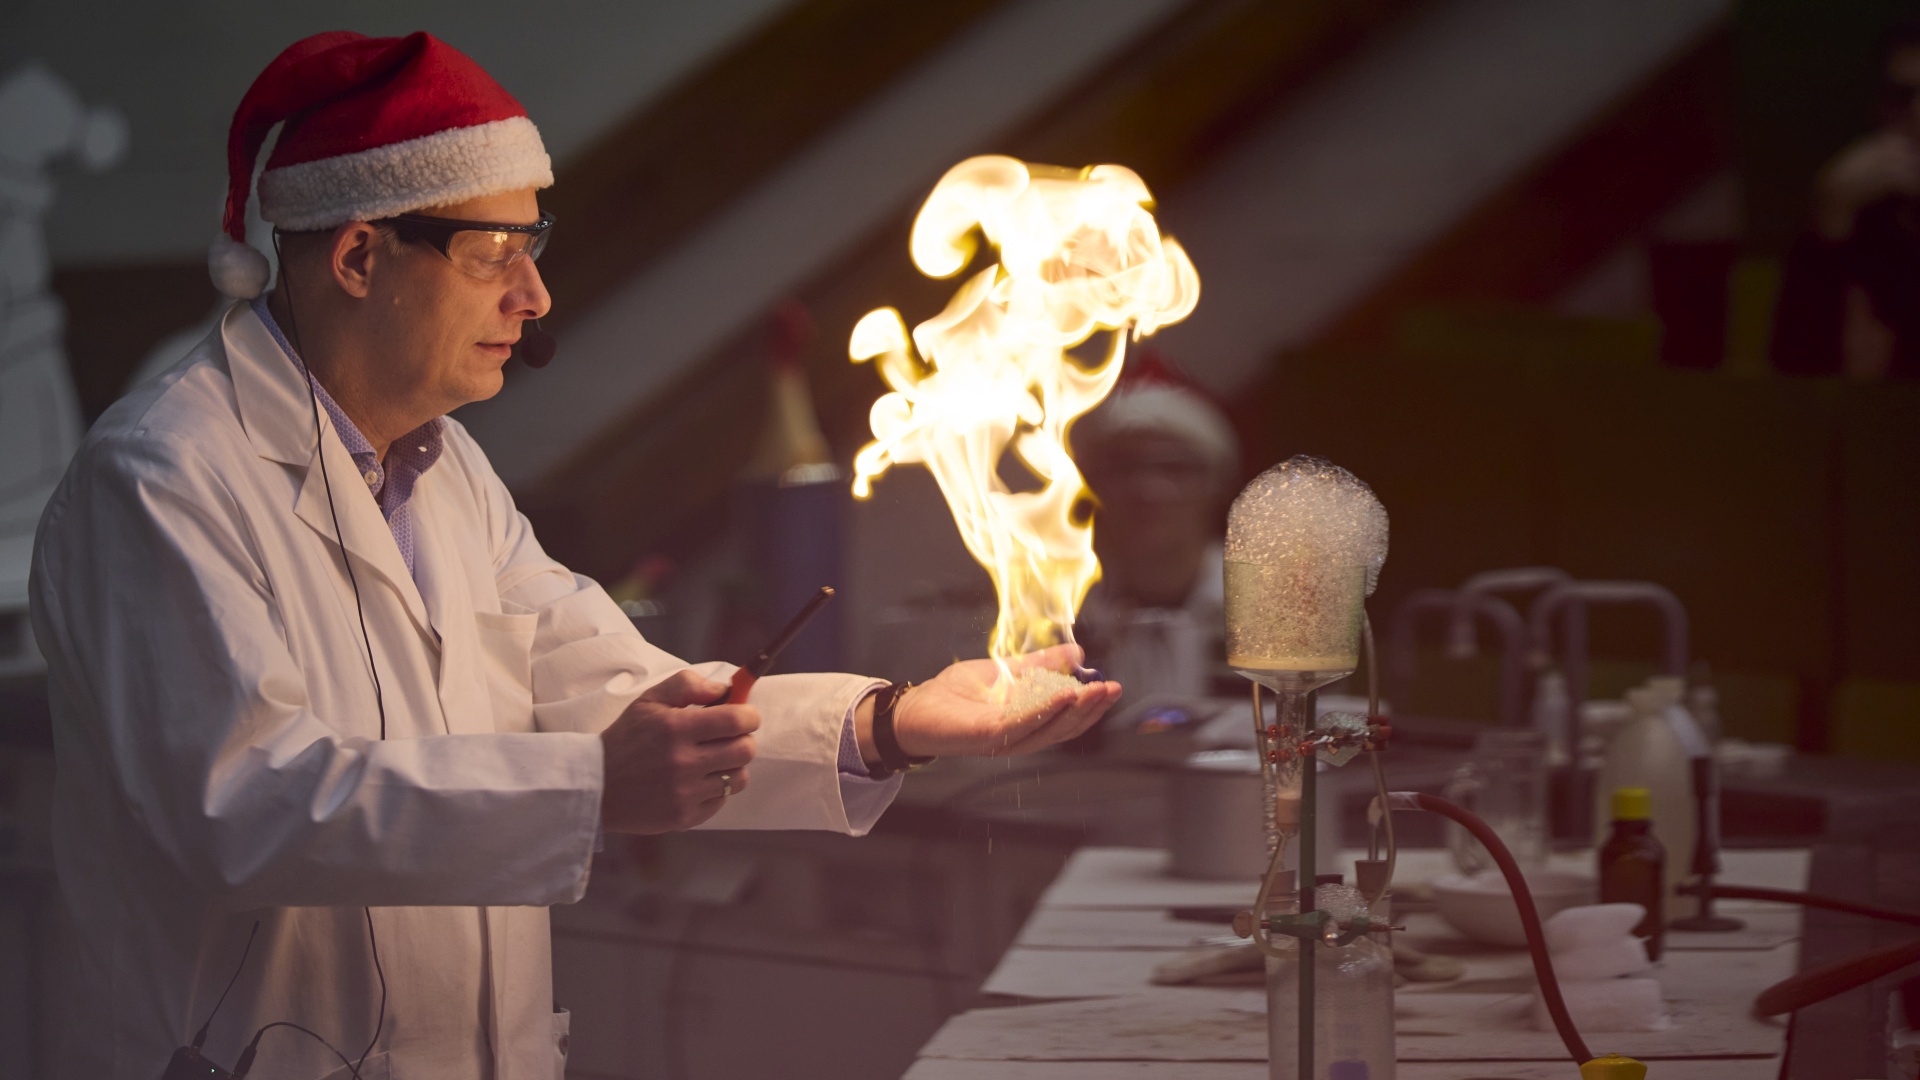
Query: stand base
(1707, 924)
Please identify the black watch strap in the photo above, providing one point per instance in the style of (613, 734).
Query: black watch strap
(892, 758)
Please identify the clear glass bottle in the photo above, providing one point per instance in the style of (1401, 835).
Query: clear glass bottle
(1353, 999)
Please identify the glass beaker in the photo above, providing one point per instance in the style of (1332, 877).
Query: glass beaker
(1506, 785)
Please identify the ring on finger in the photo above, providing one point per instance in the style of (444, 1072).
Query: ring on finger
(726, 785)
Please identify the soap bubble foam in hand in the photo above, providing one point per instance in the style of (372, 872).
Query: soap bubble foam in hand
(1305, 544)
(1036, 687)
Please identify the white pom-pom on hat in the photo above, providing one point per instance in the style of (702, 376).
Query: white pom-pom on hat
(237, 269)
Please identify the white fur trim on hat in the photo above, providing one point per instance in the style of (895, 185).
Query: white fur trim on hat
(446, 167)
(237, 269)
(1171, 410)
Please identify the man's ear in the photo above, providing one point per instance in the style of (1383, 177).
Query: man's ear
(356, 250)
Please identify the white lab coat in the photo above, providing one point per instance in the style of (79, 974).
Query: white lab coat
(218, 750)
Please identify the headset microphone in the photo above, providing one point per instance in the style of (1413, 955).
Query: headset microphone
(536, 345)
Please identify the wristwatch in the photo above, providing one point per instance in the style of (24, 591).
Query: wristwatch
(893, 759)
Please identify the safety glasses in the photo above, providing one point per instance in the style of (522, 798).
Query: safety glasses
(483, 249)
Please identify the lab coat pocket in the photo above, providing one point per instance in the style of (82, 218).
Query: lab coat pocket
(506, 650)
(378, 1067)
(562, 1040)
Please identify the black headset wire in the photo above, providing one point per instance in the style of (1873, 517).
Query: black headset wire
(380, 1022)
(379, 696)
(200, 1037)
(319, 450)
(245, 1064)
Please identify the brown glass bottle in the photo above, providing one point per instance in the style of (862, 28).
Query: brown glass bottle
(1633, 865)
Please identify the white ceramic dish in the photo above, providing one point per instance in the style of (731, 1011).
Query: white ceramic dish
(1481, 907)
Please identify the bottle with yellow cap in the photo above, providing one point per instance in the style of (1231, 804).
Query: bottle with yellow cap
(1632, 864)
(1613, 1067)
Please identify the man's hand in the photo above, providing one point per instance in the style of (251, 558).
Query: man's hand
(665, 754)
(956, 712)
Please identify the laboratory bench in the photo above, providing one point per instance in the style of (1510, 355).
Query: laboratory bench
(1072, 998)
(965, 921)
(1840, 827)
(857, 951)
(871, 955)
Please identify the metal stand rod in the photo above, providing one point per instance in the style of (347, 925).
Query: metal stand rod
(1706, 851)
(1310, 945)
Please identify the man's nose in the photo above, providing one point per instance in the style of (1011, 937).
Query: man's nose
(529, 297)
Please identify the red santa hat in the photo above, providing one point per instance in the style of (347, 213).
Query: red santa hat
(373, 127)
(1154, 395)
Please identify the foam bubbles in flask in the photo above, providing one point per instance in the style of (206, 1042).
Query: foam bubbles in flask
(1305, 544)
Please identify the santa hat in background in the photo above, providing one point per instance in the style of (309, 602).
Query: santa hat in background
(373, 127)
(1154, 395)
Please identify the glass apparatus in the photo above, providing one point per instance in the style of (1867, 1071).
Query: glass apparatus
(1293, 628)
(1305, 543)
(1352, 995)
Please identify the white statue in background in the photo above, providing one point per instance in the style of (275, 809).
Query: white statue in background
(41, 121)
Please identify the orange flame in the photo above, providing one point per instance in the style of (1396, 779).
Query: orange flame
(1079, 253)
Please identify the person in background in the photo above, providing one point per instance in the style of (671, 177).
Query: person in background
(1848, 298)
(1162, 460)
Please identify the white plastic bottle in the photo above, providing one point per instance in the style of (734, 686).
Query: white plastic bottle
(1646, 752)
(1553, 716)
(1670, 694)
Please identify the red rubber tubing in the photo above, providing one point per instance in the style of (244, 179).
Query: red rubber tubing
(1804, 899)
(1522, 900)
(1809, 987)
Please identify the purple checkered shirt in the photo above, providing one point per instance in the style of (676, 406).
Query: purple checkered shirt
(392, 487)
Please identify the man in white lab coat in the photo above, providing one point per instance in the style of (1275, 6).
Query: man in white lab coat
(332, 730)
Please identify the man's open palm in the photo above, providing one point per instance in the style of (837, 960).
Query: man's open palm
(959, 711)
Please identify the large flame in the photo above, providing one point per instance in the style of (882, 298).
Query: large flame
(1079, 253)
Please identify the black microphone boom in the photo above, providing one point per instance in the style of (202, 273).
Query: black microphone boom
(536, 345)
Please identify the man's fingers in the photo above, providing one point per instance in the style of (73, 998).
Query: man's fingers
(1017, 730)
(1057, 728)
(1053, 658)
(1091, 710)
(664, 762)
(1083, 711)
(684, 687)
(718, 722)
(736, 783)
(720, 755)
(707, 793)
(699, 814)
